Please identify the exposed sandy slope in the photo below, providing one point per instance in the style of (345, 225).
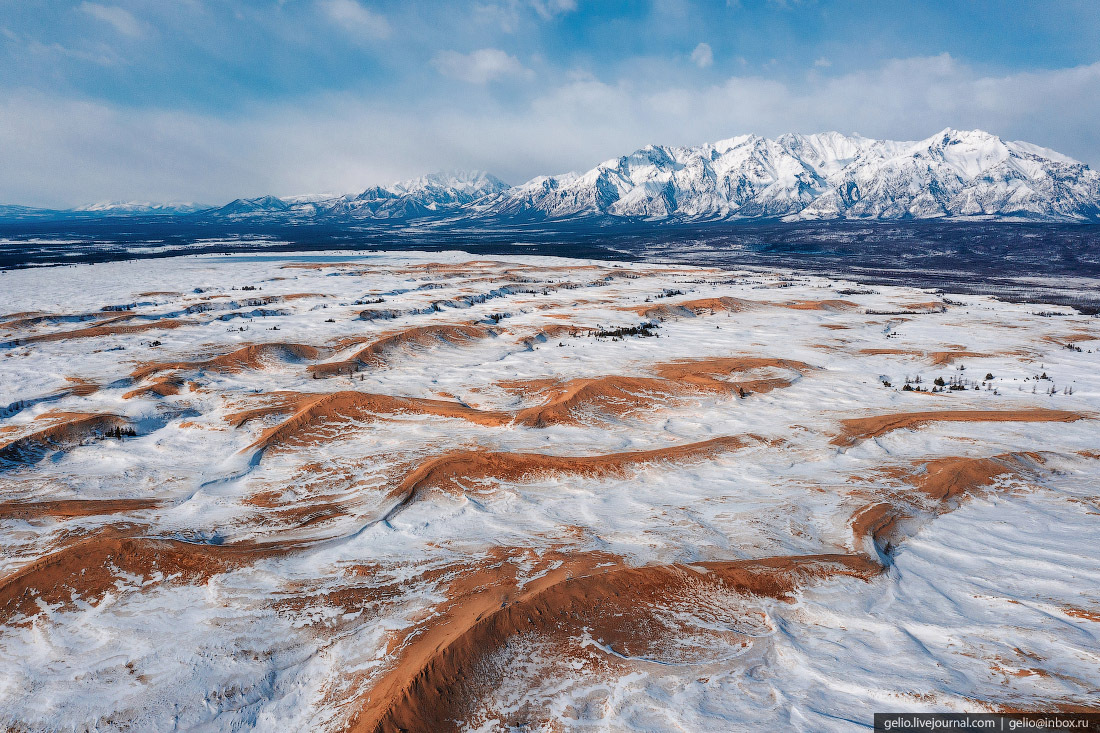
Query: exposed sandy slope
(376, 353)
(431, 686)
(857, 429)
(63, 430)
(501, 507)
(459, 471)
(253, 356)
(90, 568)
(99, 331)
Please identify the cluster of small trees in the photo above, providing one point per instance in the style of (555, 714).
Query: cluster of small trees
(955, 383)
(645, 329)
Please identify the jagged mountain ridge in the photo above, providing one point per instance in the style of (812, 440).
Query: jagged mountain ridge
(425, 196)
(952, 174)
(821, 176)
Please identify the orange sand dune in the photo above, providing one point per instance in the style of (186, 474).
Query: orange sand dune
(94, 331)
(821, 305)
(855, 430)
(453, 471)
(938, 358)
(619, 395)
(67, 430)
(254, 356)
(311, 411)
(67, 508)
(439, 673)
(942, 481)
(28, 319)
(563, 402)
(164, 387)
(611, 395)
(439, 676)
(81, 387)
(377, 352)
(91, 567)
(692, 308)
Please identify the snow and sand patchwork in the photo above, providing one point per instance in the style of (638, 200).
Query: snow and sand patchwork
(430, 492)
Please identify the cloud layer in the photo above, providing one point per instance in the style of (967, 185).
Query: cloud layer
(203, 102)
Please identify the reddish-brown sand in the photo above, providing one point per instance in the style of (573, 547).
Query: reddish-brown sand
(564, 401)
(68, 508)
(940, 484)
(164, 387)
(855, 430)
(96, 331)
(937, 358)
(691, 308)
(455, 472)
(311, 411)
(254, 356)
(429, 688)
(377, 352)
(67, 429)
(821, 305)
(91, 567)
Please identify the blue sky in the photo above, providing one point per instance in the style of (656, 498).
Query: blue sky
(210, 99)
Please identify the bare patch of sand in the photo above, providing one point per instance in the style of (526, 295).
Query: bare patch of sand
(693, 308)
(67, 429)
(429, 687)
(97, 331)
(379, 351)
(855, 430)
(455, 472)
(68, 508)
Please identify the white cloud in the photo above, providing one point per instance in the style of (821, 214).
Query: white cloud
(702, 56)
(122, 20)
(479, 67)
(822, 63)
(509, 14)
(355, 18)
(549, 8)
(71, 152)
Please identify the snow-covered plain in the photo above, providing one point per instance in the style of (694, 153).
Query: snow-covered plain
(432, 496)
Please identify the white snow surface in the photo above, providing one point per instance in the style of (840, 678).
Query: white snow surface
(995, 603)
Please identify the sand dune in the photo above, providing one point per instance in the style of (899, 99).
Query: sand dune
(855, 430)
(378, 352)
(525, 581)
(941, 484)
(453, 472)
(436, 680)
(311, 411)
(936, 358)
(68, 508)
(253, 356)
(66, 430)
(567, 402)
(96, 331)
(821, 305)
(693, 308)
(91, 567)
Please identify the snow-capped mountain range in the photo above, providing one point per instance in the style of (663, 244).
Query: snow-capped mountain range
(822, 176)
(953, 174)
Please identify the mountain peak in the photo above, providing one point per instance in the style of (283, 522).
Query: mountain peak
(822, 175)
